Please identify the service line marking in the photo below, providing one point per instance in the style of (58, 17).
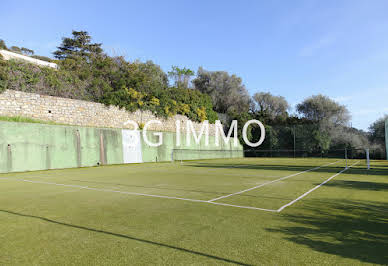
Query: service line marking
(314, 188)
(270, 182)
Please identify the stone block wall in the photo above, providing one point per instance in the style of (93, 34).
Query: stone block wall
(82, 113)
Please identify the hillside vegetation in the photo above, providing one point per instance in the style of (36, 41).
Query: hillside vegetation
(87, 73)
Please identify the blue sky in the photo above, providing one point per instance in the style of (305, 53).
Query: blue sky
(291, 48)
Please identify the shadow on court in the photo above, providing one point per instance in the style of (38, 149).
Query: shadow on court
(325, 169)
(350, 229)
(362, 185)
(126, 237)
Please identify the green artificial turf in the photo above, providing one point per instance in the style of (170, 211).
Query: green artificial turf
(84, 216)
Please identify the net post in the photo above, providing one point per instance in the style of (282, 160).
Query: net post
(367, 158)
(346, 157)
(294, 143)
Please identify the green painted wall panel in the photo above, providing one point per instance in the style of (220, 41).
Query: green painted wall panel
(90, 146)
(39, 146)
(194, 151)
(114, 146)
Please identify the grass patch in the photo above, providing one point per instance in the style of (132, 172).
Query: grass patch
(21, 119)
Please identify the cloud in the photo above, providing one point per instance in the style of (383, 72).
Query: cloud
(343, 99)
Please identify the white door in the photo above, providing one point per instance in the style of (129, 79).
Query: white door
(131, 146)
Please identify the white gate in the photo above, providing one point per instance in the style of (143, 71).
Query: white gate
(131, 146)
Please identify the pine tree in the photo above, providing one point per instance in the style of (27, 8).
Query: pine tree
(78, 45)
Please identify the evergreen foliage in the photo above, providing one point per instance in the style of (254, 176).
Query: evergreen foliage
(86, 73)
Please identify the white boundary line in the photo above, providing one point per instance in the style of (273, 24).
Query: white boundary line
(314, 188)
(270, 182)
(243, 207)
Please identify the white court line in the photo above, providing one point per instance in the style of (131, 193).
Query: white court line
(314, 188)
(270, 182)
(243, 207)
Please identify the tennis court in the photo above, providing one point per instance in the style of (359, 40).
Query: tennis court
(205, 211)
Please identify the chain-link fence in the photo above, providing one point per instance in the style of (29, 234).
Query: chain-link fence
(312, 140)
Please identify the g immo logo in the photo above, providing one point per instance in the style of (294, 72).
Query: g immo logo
(204, 132)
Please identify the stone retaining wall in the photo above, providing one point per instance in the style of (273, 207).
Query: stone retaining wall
(82, 113)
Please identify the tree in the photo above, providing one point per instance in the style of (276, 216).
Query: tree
(145, 77)
(270, 106)
(181, 76)
(156, 76)
(320, 108)
(228, 94)
(2, 45)
(16, 49)
(347, 137)
(377, 136)
(328, 115)
(26, 51)
(377, 131)
(78, 45)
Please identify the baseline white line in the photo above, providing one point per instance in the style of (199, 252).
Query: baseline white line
(239, 206)
(270, 182)
(314, 188)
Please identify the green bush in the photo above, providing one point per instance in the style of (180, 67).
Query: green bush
(3, 74)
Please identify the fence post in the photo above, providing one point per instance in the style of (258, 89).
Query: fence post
(294, 143)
